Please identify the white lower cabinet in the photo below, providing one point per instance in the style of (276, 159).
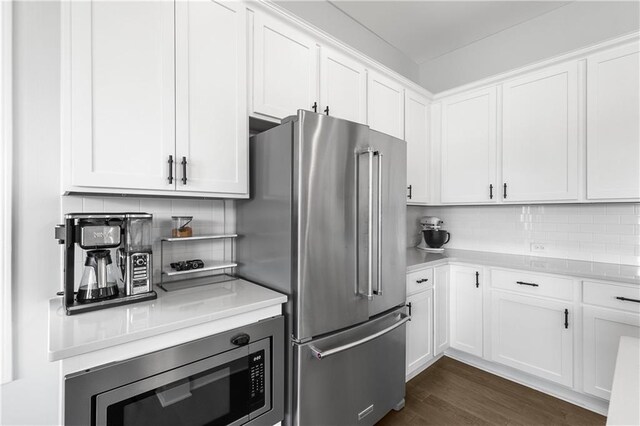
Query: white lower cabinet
(441, 309)
(466, 309)
(420, 330)
(602, 329)
(533, 335)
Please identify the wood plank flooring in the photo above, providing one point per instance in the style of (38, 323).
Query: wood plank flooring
(453, 393)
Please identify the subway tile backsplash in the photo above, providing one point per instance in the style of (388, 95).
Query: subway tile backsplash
(599, 233)
(209, 217)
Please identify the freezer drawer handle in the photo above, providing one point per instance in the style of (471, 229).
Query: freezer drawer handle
(320, 354)
(626, 299)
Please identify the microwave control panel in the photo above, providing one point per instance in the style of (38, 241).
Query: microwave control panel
(256, 380)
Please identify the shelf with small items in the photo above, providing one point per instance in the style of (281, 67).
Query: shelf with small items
(225, 269)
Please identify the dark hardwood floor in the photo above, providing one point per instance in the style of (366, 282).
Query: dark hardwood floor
(453, 393)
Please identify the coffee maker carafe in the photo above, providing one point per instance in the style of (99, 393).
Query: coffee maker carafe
(433, 236)
(92, 237)
(98, 278)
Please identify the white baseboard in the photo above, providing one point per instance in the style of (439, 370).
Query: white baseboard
(590, 403)
(421, 368)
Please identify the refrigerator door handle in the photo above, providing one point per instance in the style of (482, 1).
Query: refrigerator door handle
(320, 354)
(378, 292)
(370, 153)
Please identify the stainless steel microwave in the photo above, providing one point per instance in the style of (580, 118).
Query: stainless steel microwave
(231, 378)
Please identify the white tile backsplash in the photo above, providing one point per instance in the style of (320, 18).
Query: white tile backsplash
(209, 217)
(600, 233)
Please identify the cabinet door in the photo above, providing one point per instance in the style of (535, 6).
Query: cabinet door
(416, 125)
(211, 125)
(343, 86)
(602, 330)
(420, 330)
(468, 148)
(531, 335)
(285, 68)
(441, 309)
(122, 94)
(613, 124)
(540, 138)
(466, 309)
(385, 105)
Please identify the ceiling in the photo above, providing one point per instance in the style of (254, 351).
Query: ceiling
(425, 30)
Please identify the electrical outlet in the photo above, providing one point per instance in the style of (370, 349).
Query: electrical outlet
(537, 247)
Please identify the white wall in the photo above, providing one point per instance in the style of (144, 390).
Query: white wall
(336, 23)
(598, 232)
(33, 397)
(571, 27)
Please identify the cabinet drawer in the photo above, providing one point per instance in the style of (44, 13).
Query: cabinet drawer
(534, 284)
(419, 280)
(608, 295)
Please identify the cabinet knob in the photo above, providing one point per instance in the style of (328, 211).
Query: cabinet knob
(477, 279)
(314, 107)
(410, 188)
(422, 280)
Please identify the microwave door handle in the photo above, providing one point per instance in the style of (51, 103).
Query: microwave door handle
(379, 239)
(322, 354)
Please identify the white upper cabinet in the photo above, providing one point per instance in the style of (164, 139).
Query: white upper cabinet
(343, 86)
(211, 109)
(613, 124)
(540, 135)
(417, 111)
(533, 335)
(285, 68)
(468, 148)
(121, 87)
(466, 309)
(385, 105)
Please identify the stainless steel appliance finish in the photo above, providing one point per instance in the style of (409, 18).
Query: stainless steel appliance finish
(325, 225)
(351, 385)
(232, 378)
(130, 234)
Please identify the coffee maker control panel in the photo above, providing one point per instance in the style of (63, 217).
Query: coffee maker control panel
(140, 278)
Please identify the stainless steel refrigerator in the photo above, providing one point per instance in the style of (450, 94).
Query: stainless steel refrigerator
(325, 224)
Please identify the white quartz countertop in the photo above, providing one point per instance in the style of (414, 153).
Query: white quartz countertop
(624, 408)
(417, 259)
(71, 335)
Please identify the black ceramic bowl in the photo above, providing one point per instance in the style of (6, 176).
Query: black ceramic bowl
(436, 239)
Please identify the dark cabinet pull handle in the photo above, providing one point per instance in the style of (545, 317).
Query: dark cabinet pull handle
(626, 299)
(531, 284)
(408, 305)
(566, 318)
(170, 178)
(184, 170)
(491, 191)
(410, 188)
(315, 107)
(422, 280)
(477, 279)
(505, 191)
(326, 110)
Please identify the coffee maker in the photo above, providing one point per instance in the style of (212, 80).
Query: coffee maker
(433, 236)
(93, 236)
